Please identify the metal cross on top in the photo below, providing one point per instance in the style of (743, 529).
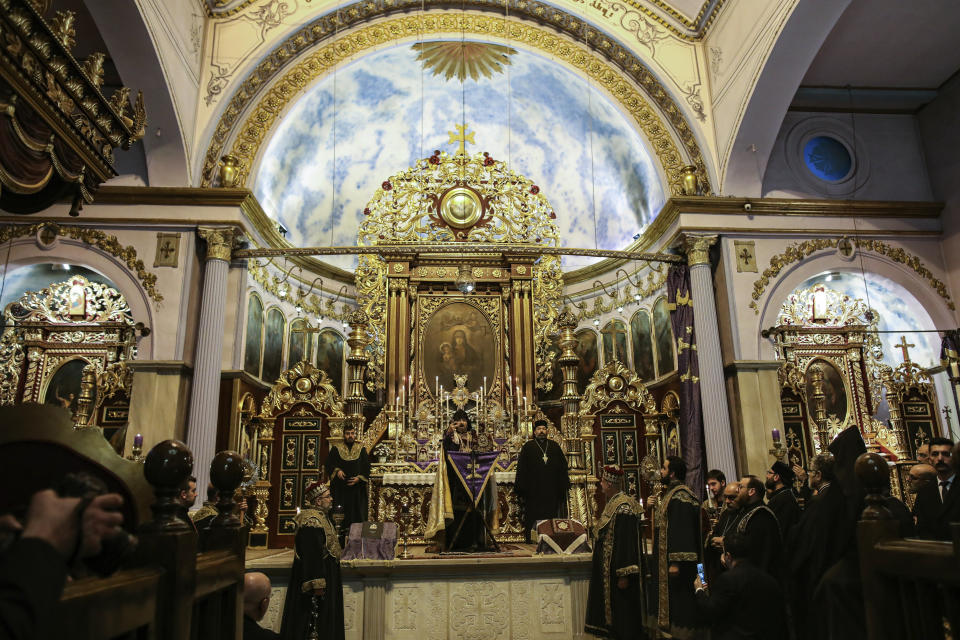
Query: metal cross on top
(903, 346)
(462, 137)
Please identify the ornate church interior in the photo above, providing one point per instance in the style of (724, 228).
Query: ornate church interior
(255, 243)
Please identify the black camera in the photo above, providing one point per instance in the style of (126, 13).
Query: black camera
(114, 549)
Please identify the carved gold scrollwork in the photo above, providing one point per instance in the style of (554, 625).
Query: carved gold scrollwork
(302, 384)
(616, 382)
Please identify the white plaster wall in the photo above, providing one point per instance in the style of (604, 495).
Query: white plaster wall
(889, 163)
(940, 136)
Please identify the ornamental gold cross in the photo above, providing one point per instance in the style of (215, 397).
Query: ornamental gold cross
(903, 346)
(462, 137)
(473, 469)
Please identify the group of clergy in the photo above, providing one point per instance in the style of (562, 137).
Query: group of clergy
(779, 555)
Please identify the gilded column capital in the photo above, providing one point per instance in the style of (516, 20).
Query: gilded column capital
(697, 248)
(220, 241)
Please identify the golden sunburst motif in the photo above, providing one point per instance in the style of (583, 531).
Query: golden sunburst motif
(462, 59)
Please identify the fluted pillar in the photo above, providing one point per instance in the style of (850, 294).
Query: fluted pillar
(713, 393)
(205, 390)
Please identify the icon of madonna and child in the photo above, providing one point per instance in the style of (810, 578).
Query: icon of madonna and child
(458, 340)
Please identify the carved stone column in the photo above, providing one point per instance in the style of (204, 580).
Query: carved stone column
(713, 393)
(205, 391)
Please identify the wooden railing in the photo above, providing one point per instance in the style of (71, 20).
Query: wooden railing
(911, 588)
(177, 584)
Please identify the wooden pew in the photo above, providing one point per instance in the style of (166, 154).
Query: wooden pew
(911, 587)
(177, 584)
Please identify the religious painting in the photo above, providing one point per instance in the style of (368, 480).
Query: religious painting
(615, 343)
(611, 447)
(672, 438)
(273, 346)
(640, 336)
(631, 482)
(664, 337)
(834, 391)
(299, 342)
(330, 357)
(77, 301)
(587, 353)
(458, 339)
(253, 347)
(628, 447)
(556, 392)
(63, 389)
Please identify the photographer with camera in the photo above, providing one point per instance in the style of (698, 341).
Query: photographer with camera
(33, 569)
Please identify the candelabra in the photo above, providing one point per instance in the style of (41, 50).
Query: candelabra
(338, 516)
(778, 451)
(136, 452)
(405, 526)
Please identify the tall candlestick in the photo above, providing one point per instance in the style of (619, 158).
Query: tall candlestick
(436, 387)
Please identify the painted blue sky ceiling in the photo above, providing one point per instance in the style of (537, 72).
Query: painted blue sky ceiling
(603, 193)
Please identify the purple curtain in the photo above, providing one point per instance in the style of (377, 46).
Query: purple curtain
(680, 304)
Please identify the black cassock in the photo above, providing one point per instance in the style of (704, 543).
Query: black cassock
(814, 544)
(759, 524)
(353, 461)
(712, 566)
(676, 541)
(542, 481)
(316, 564)
(613, 612)
(784, 505)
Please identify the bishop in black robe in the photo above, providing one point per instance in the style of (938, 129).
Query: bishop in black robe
(542, 481)
(759, 524)
(348, 467)
(676, 543)
(315, 592)
(615, 597)
(466, 531)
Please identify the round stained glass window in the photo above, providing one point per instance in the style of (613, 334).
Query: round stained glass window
(827, 158)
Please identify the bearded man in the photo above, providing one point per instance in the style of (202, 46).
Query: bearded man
(615, 600)
(676, 551)
(542, 479)
(314, 603)
(348, 468)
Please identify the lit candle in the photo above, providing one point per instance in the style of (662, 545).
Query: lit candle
(436, 388)
(776, 435)
(138, 440)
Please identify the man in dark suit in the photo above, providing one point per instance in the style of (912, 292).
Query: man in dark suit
(256, 599)
(745, 602)
(939, 504)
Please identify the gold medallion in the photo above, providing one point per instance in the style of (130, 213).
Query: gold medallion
(460, 207)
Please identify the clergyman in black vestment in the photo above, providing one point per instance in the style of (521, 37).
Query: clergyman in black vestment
(315, 592)
(466, 531)
(780, 496)
(348, 467)
(759, 524)
(542, 479)
(615, 597)
(676, 552)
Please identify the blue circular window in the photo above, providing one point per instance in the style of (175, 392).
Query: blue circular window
(827, 158)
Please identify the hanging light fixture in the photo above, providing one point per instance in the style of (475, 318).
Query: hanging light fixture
(465, 282)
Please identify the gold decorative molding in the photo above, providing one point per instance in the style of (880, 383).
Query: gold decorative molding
(302, 384)
(94, 238)
(800, 250)
(220, 241)
(614, 382)
(312, 304)
(614, 68)
(697, 248)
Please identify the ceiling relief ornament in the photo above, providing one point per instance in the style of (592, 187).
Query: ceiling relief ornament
(799, 251)
(461, 59)
(47, 232)
(265, 95)
(505, 208)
